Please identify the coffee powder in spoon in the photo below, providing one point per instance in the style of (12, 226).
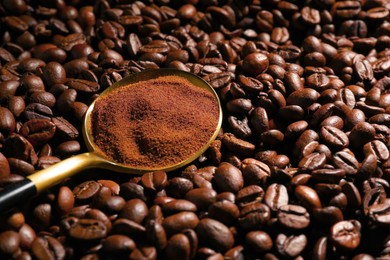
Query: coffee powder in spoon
(154, 123)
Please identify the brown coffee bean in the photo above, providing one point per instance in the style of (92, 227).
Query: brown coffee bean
(65, 129)
(215, 234)
(54, 73)
(178, 247)
(178, 222)
(228, 178)
(308, 197)
(154, 181)
(7, 122)
(255, 63)
(224, 211)
(254, 215)
(249, 195)
(259, 241)
(135, 210)
(237, 145)
(201, 197)
(293, 217)
(118, 244)
(65, 200)
(345, 235)
(38, 131)
(86, 190)
(290, 246)
(47, 247)
(276, 196)
(334, 137)
(9, 242)
(20, 148)
(88, 229)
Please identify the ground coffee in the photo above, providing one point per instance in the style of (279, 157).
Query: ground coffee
(154, 123)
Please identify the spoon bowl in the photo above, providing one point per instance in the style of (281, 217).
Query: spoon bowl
(95, 158)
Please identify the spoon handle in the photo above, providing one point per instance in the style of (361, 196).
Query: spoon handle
(19, 192)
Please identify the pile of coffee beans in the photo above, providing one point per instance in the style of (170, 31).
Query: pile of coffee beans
(300, 170)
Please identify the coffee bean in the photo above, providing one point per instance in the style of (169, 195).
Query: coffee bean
(345, 235)
(179, 222)
(259, 241)
(290, 246)
(7, 123)
(154, 180)
(224, 211)
(9, 242)
(254, 215)
(215, 234)
(346, 161)
(249, 195)
(135, 210)
(178, 247)
(65, 200)
(308, 197)
(377, 148)
(202, 197)
(38, 131)
(176, 206)
(228, 178)
(88, 229)
(334, 137)
(276, 196)
(156, 234)
(47, 247)
(293, 217)
(118, 244)
(86, 190)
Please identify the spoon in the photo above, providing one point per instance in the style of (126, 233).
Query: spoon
(44, 179)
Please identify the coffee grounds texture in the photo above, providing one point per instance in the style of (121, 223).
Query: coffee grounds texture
(154, 123)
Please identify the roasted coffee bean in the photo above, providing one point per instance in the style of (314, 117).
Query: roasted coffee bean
(88, 229)
(178, 247)
(276, 196)
(37, 111)
(48, 247)
(201, 197)
(249, 195)
(9, 242)
(178, 222)
(224, 211)
(135, 210)
(254, 215)
(156, 234)
(65, 200)
(259, 241)
(345, 235)
(216, 234)
(154, 180)
(176, 206)
(377, 148)
(118, 244)
(38, 131)
(328, 216)
(293, 217)
(328, 175)
(290, 246)
(228, 178)
(334, 137)
(308, 197)
(20, 148)
(86, 190)
(346, 161)
(7, 122)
